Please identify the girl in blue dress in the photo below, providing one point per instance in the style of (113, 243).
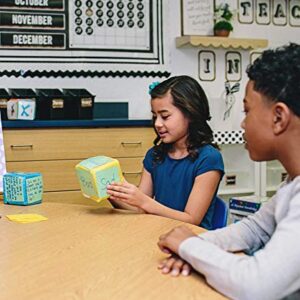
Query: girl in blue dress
(183, 170)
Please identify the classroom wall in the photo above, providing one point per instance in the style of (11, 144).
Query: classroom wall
(134, 90)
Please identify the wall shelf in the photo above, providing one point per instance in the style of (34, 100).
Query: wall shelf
(220, 42)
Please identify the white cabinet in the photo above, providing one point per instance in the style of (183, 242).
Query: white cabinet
(242, 175)
(246, 177)
(273, 173)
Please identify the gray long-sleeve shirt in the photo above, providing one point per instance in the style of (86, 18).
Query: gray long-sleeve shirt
(272, 234)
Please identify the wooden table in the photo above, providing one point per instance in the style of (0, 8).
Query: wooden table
(86, 252)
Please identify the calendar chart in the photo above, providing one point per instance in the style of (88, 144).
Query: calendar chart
(110, 24)
(92, 31)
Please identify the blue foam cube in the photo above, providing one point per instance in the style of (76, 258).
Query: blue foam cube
(22, 188)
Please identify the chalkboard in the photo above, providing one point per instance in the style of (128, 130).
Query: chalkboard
(197, 17)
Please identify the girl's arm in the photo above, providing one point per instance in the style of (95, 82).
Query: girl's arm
(146, 184)
(199, 200)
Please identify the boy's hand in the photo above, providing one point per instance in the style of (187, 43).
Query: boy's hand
(127, 193)
(174, 266)
(169, 242)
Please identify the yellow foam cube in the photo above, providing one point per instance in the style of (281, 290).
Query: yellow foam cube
(95, 173)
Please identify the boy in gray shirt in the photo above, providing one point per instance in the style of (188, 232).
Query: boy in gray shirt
(272, 131)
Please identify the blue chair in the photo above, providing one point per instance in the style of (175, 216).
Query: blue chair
(220, 214)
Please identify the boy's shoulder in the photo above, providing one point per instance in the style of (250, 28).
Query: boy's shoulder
(295, 186)
(289, 192)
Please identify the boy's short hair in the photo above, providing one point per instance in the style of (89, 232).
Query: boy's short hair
(276, 74)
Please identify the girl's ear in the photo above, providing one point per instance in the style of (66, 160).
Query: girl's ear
(281, 117)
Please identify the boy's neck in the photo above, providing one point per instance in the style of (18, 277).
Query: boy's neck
(288, 149)
(291, 165)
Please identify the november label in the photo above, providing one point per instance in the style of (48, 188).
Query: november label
(31, 20)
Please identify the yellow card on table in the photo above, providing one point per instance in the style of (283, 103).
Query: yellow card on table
(26, 218)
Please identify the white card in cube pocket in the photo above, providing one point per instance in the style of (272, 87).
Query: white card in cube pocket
(12, 109)
(26, 109)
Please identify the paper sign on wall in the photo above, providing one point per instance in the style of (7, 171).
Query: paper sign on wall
(197, 17)
(2, 158)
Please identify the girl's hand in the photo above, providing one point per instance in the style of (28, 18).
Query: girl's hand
(175, 266)
(169, 242)
(127, 193)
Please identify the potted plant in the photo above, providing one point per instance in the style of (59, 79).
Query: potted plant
(223, 17)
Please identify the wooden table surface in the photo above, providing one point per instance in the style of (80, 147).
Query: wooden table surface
(86, 252)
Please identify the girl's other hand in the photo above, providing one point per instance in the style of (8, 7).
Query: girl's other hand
(174, 266)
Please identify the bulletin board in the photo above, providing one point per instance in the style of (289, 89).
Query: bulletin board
(59, 35)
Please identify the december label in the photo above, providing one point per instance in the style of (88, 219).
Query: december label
(32, 40)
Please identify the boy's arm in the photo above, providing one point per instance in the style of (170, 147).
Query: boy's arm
(271, 273)
(248, 235)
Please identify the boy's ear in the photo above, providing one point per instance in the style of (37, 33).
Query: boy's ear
(281, 117)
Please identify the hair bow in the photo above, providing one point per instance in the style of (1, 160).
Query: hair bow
(152, 86)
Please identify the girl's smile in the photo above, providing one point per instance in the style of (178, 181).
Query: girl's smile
(162, 134)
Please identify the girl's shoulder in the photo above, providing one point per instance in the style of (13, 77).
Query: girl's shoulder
(210, 154)
(148, 160)
(209, 150)
(149, 153)
(209, 158)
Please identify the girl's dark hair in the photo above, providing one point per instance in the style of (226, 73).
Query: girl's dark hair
(189, 97)
(276, 74)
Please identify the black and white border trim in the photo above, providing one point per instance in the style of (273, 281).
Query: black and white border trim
(229, 137)
(82, 73)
